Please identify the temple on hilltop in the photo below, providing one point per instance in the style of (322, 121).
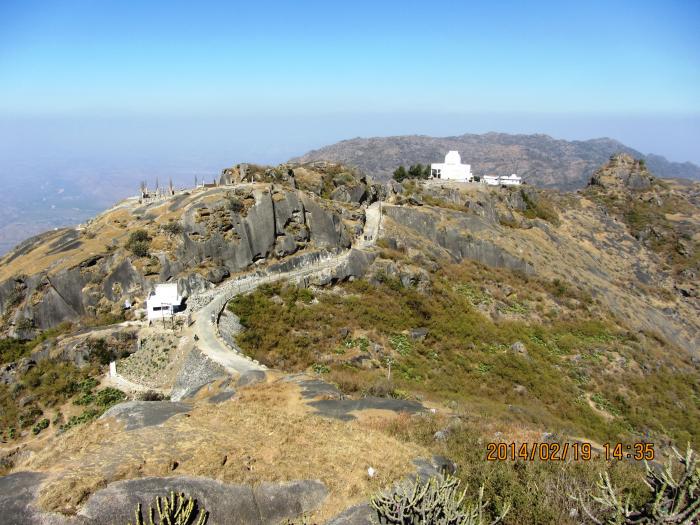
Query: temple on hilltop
(452, 169)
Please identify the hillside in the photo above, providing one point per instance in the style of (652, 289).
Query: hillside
(541, 160)
(340, 336)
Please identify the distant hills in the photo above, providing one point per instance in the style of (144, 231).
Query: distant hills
(540, 159)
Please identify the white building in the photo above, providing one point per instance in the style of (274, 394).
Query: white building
(164, 301)
(452, 169)
(495, 180)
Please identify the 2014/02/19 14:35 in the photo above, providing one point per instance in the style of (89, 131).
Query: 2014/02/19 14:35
(577, 451)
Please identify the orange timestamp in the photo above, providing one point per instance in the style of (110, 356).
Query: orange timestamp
(542, 451)
(577, 451)
(636, 451)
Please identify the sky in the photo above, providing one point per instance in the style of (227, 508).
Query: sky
(139, 86)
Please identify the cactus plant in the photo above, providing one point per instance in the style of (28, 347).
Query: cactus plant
(674, 497)
(437, 501)
(172, 511)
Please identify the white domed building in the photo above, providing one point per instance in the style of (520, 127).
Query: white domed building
(452, 169)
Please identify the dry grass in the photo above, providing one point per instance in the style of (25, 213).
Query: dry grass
(266, 434)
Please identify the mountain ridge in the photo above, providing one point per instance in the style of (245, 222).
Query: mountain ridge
(539, 158)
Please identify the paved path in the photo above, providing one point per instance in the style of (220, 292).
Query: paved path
(209, 305)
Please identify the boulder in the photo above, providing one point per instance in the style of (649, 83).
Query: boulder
(218, 274)
(418, 334)
(518, 348)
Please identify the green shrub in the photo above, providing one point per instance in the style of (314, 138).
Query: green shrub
(41, 425)
(109, 396)
(101, 352)
(172, 511)
(140, 248)
(400, 174)
(87, 416)
(234, 204)
(400, 343)
(673, 497)
(437, 501)
(139, 243)
(172, 228)
(320, 368)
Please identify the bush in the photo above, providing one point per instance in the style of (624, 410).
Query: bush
(400, 174)
(13, 349)
(172, 511)
(41, 425)
(101, 352)
(139, 243)
(139, 235)
(234, 204)
(85, 417)
(418, 171)
(437, 501)
(140, 248)
(152, 395)
(172, 228)
(674, 495)
(109, 396)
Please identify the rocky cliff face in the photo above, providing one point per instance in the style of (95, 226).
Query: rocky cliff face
(196, 238)
(560, 237)
(664, 216)
(540, 159)
(623, 171)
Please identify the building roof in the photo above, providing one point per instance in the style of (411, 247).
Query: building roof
(165, 293)
(453, 157)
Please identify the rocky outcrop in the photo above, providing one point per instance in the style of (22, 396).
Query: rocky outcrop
(623, 171)
(452, 231)
(227, 504)
(215, 233)
(326, 229)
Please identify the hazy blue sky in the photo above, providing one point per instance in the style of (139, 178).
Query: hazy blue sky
(223, 79)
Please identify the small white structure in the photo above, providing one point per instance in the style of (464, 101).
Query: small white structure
(512, 180)
(163, 302)
(495, 180)
(452, 169)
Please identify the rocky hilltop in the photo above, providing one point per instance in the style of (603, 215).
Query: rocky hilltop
(341, 336)
(541, 160)
(196, 238)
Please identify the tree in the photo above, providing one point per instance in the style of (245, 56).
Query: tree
(416, 171)
(400, 174)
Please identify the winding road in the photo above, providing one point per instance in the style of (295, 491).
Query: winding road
(208, 306)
